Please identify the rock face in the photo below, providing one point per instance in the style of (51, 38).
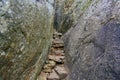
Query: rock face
(68, 12)
(25, 36)
(92, 44)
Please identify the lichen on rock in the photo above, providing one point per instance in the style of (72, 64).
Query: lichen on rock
(91, 45)
(25, 37)
(68, 12)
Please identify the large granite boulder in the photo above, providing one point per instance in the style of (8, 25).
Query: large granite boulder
(92, 45)
(68, 12)
(25, 37)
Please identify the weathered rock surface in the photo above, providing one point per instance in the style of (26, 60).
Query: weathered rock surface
(25, 36)
(92, 45)
(57, 58)
(61, 71)
(44, 76)
(68, 12)
(53, 76)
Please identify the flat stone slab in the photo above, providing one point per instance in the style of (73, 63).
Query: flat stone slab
(43, 76)
(56, 58)
(58, 41)
(49, 66)
(57, 52)
(53, 76)
(61, 71)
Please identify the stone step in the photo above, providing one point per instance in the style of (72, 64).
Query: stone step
(59, 59)
(58, 46)
(57, 52)
(57, 35)
(43, 76)
(49, 66)
(61, 71)
(53, 76)
(57, 41)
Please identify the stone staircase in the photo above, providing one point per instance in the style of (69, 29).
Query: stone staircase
(54, 68)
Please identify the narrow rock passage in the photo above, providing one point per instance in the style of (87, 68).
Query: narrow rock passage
(54, 68)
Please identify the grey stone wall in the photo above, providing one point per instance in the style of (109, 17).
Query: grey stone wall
(92, 45)
(25, 37)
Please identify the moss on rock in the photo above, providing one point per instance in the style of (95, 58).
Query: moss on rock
(25, 37)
